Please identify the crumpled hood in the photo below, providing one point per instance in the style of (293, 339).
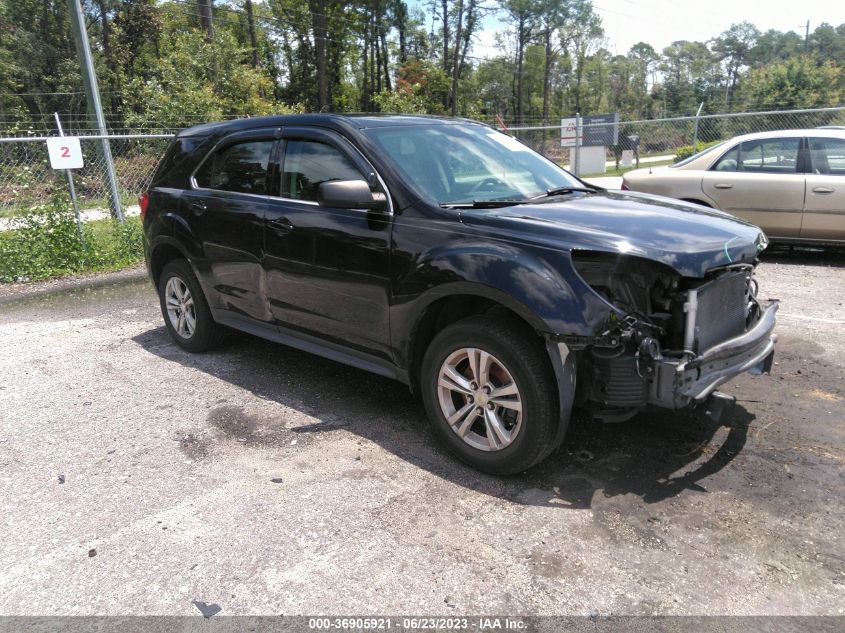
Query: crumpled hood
(689, 238)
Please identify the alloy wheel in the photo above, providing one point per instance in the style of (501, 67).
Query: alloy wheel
(480, 399)
(180, 307)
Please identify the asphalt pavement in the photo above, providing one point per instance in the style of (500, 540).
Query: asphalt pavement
(136, 478)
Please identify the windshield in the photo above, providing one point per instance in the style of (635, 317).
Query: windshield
(454, 164)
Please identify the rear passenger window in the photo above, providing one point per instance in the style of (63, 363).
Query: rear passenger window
(828, 156)
(241, 168)
(308, 163)
(769, 156)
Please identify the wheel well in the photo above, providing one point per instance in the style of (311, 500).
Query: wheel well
(448, 310)
(160, 257)
(696, 201)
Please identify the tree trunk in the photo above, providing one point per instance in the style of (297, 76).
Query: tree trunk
(335, 59)
(547, 73)
(385, 59)
(445, 9)
(520, 54)
(204, 8)
(373, 66)
(456, 70)
(110, 65)
(320, 27)
(250, 23)
(377, 42)
(402, 27)
(365, 84)
(579, 75)
(469, 28)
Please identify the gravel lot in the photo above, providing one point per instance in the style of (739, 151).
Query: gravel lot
(138, 479)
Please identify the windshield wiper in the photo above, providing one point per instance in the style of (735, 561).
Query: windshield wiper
(559, 191)
(484, 204)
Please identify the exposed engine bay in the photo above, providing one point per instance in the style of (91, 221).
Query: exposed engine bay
(670, 340)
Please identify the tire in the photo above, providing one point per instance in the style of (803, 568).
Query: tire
(204, 334)
(513, 358)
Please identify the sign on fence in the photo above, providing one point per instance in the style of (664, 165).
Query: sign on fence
(568, 132)
(600, 129)
(596, 130)
(65, 152)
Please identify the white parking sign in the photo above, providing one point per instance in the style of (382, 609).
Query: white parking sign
(65, 152)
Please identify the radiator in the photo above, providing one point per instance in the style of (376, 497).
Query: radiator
(722, 309)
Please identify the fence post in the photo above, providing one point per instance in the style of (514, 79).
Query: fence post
(89, 77)
(695, 133)
(71, 187)
(577, 155)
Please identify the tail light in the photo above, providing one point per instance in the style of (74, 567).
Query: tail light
(143, 201)
(624, 187)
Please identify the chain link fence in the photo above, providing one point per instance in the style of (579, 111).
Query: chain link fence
(664, 141)
(27, 180)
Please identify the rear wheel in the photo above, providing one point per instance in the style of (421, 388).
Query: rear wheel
(185, 309)
(489, 391)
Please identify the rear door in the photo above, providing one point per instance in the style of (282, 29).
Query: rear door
(824, 208)
(225, 210)
(327, 269)
(761, 181)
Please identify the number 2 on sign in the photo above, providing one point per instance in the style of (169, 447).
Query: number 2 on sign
(65, 152)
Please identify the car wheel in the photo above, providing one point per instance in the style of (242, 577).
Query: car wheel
(185, 309)
(489, 391)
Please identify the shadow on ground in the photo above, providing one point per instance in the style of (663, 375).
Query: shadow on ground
(640, 457)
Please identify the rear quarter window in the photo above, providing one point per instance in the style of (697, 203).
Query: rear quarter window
(178, 162)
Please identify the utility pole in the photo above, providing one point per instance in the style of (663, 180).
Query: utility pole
(92, 92)
(806, 34)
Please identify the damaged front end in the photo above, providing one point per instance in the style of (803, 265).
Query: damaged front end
(670, 340)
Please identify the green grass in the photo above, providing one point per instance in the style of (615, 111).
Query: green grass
(46, 244)
(612, 171)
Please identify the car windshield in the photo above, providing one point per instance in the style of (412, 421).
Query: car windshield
(454, 164)
(698, 155)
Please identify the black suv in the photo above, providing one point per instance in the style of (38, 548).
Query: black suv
(451, 257)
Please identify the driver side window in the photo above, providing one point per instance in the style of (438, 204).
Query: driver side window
(309, 163)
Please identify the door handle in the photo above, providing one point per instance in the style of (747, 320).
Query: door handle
(281, 225)
(723, 185)
(198, 207)
(823, 190)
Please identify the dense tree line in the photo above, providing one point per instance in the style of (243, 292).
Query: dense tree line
(175, 62)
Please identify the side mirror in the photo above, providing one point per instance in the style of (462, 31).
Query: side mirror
(349, 194)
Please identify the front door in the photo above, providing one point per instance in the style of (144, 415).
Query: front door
(327, 269)
(761, 181)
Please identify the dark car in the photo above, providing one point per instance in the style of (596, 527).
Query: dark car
(446, 255)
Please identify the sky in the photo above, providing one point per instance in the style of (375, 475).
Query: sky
(661, 22)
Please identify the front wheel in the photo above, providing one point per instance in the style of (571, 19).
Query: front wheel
(489, 391)
(185, 309)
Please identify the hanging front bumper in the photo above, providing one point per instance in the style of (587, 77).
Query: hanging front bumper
(678, 383)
